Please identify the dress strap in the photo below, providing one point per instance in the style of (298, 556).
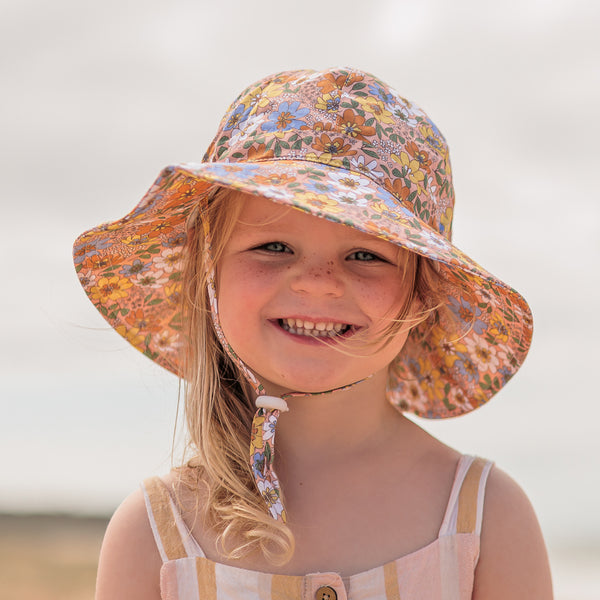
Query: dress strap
(465, 507)
(172, 536)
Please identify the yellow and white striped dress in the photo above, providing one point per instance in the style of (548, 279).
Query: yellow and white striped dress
(442, 570)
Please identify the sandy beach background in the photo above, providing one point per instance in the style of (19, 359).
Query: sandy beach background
(98, 97)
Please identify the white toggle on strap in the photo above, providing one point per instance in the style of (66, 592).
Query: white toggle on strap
(272, 402)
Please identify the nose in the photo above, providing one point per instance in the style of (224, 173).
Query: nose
(317, 276)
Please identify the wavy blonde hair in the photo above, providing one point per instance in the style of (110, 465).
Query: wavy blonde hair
(219, 401)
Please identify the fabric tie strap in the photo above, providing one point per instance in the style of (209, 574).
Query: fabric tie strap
(262, 453)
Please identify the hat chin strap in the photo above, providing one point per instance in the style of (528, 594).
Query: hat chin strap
(269, 408)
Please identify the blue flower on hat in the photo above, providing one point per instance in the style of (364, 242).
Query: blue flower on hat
(319, 187)
(135, 268)
(237, 117)
(287, 116)
(380, 94)
(467, 314)
(466, 367)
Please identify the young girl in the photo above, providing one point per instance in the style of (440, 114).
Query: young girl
(301, 281)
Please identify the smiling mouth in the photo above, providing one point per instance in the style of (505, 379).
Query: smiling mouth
(320, 329)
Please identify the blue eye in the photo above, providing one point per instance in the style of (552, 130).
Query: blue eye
(363, 256)
(274, 247)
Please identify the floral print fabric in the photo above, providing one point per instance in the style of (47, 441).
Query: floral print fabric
(342, 145)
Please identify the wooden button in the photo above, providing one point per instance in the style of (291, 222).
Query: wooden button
(326, 593)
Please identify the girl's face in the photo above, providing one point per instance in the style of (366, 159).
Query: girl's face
(294, 290)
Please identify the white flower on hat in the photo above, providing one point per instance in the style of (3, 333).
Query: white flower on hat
(356, 183)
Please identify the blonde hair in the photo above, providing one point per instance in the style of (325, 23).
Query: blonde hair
(219, 401)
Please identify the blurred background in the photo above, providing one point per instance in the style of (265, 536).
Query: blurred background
(98, 97)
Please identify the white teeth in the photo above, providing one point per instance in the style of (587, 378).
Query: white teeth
(310, 328)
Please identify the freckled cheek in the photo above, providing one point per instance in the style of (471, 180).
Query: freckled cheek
(383, 299)
(243, 289)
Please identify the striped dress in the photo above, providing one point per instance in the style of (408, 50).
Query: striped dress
(442, 570)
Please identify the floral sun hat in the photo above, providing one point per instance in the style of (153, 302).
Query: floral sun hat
(342, 145)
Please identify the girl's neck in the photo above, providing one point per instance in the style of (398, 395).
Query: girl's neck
(334, 426)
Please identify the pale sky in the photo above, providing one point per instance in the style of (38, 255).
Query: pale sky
(98, 97)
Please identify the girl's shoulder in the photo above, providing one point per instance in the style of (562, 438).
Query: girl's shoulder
(129, 565)
(513, 561)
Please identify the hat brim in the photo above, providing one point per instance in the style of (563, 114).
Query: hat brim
(130, 269)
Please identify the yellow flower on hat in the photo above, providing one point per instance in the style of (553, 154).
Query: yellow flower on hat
(377, 109)
(173, 290)
(320, 201)
(256, 438)
(110, 288)
(447, 348)
(328, 102)
(430, 380)
(498, 329)
(325, 157)
(411, 166)
(271, 91)
(446, 218)
(132, 335)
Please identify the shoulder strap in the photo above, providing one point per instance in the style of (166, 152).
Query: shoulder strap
(173, 538)
(465, 506)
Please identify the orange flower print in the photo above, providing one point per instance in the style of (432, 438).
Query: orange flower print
(163, 227)
(397, 188)
(110, 288)
(140, 320)
(332, 146)
(151, 231)
(353, 125)
(330, 82)
(259, 152)
(274, 179)
(320, 126)
(98, 262)
(83, 252)
(419, 155)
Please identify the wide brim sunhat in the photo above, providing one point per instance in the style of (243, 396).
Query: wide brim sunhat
(341, 145)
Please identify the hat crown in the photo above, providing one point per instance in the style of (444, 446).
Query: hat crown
(348, 119)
